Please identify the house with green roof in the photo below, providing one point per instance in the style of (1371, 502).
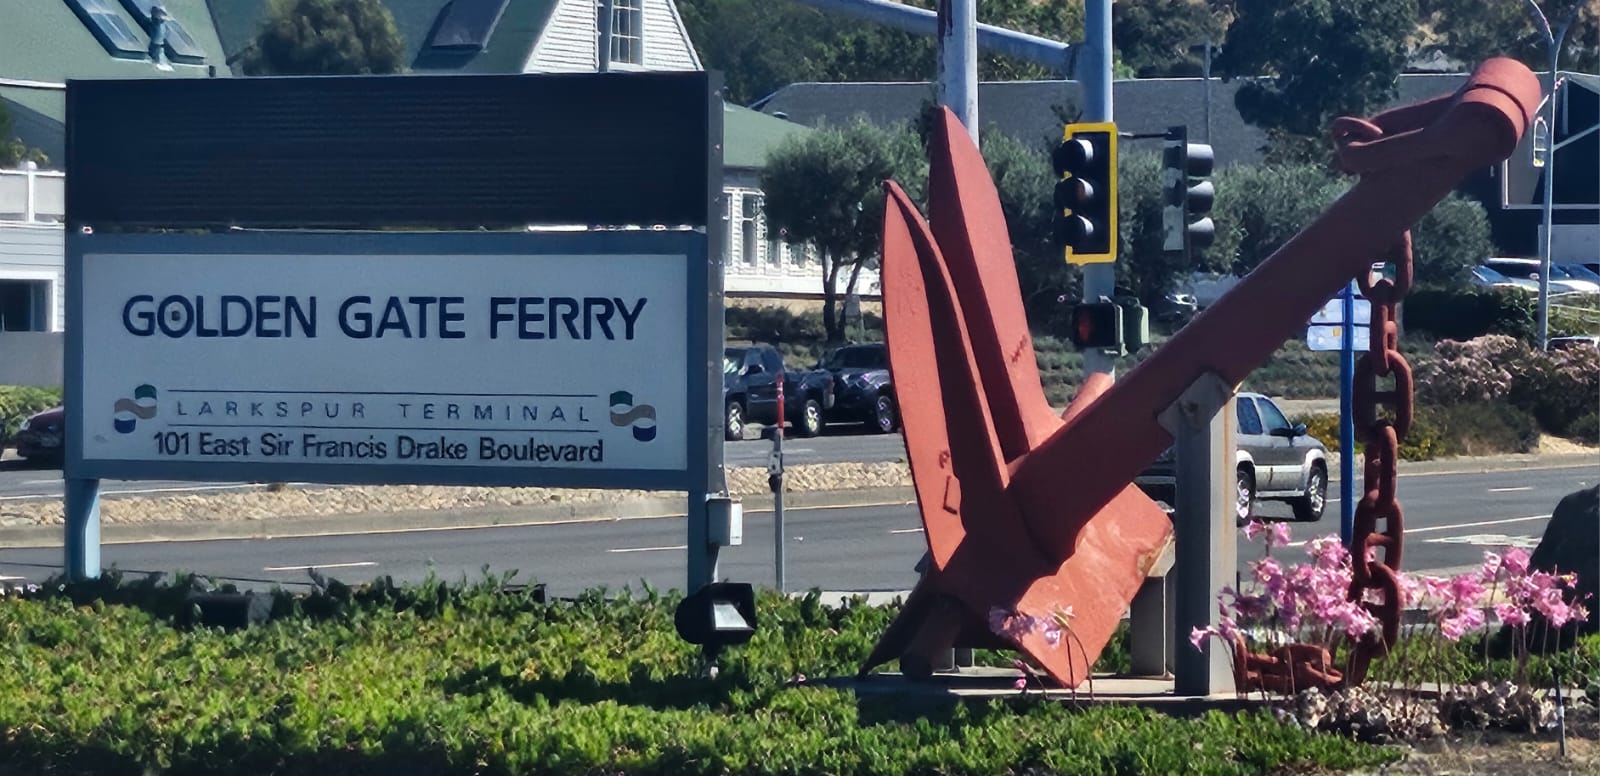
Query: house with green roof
(44, 43)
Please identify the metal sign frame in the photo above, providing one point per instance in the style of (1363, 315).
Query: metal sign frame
(458, 164)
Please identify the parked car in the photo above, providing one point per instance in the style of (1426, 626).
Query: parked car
(863, 391)
(750, 375)
(40, 438)
(1561, 281)
(1488, 278)
(1273, 460)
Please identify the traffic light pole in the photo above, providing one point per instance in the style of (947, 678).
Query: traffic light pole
(1094, 73)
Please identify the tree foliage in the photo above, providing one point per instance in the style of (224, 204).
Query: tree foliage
(1449, 241)
(1156, 38)
(1317, 59)
(763, 45)
(12, 150)
(326, 37)
(1259, 207)
(825, 188)
(1471, 30)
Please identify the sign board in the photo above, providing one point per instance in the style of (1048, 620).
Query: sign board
(1333, 312)
(1322, 337)
(493, 359)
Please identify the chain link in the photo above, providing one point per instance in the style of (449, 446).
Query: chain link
(1377, 538)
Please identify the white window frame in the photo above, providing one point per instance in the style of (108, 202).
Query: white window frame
(630, 42)
(52, 288)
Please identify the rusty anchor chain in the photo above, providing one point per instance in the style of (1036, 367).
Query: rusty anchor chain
(1379, 520)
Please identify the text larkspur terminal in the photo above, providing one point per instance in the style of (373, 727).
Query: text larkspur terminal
(363, 317)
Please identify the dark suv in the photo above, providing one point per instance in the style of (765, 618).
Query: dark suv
(1273, 460)
(864, 392)
(750, 375)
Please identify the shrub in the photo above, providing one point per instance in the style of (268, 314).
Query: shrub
(1474, 371)
(1586, 429)
(1464, 314)
(1478, 428)
(1560, 387)
(445, 679)
(18, 402)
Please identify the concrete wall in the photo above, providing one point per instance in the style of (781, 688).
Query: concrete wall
(31, 358)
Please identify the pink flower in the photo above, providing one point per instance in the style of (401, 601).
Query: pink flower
(997, 620)
(1328, 551)
(1199, 635)
(1491, 565)
(1021, 683)
(1511, 614)
(1516, 561)
(1279, 536)
(1467, 620)
(1253, 529)
(1052, 634)
(1466, 590)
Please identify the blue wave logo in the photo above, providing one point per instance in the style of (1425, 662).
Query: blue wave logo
(128, 412)
(625, 413)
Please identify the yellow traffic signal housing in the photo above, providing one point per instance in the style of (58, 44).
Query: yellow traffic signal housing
(1085, 223)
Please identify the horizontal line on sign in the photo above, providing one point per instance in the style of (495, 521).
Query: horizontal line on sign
(356, 564)
(412, 429)
(388, 393)
(652, 549)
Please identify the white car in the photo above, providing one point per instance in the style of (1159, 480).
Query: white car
(1561, 281)
(1487, 278)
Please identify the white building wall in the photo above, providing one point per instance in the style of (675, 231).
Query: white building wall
(32, 238)
(570, 43)
(758, 262)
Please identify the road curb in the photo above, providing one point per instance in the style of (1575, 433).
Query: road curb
(438, 520)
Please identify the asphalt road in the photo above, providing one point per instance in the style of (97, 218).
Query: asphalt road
(1451, 520)
(22, 481)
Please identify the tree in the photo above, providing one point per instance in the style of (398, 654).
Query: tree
(1316, 60)
(1472, 30)
(1156, 37)
(825, 188)
(1259, 207)
(764, 45)
(12, 150)
(325, 37)
(1449, 241)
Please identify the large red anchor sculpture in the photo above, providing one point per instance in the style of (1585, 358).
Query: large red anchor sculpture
(1032, 514)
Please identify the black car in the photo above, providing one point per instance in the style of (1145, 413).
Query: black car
(750, 375)
(865, 394)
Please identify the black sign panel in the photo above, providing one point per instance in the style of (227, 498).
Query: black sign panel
(444, 151)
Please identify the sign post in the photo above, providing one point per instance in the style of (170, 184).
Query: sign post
(1342, 325)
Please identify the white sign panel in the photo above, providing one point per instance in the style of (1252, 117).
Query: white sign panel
(1332, 338)
(1333, 312)
(502, 361)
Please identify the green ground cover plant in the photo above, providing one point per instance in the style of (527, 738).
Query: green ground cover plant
(110, 677)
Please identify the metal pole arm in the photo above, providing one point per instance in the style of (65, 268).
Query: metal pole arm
(1056, 56)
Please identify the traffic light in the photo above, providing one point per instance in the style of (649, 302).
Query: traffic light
(1187, 195)
(1096, 326)
(1086, 195)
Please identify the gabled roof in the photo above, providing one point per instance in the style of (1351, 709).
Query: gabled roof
(749, 135)
(1033, 111)
(510, 43)
(47, 44)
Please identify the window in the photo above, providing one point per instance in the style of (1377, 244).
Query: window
(180, 45)
(467, 24)
(110, 28)
(24, 305)
(1272, 416)
(627, 32)
(1249, 420)
(749, 227)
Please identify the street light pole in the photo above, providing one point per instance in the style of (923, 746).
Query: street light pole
(1553, 46)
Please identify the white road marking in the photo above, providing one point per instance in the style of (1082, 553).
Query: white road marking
(1511, 490)
(1489, 540)
(1432, 528)
(56, 481)
(356, 564)
(651, 549)
(906, 530)
(4, 578)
